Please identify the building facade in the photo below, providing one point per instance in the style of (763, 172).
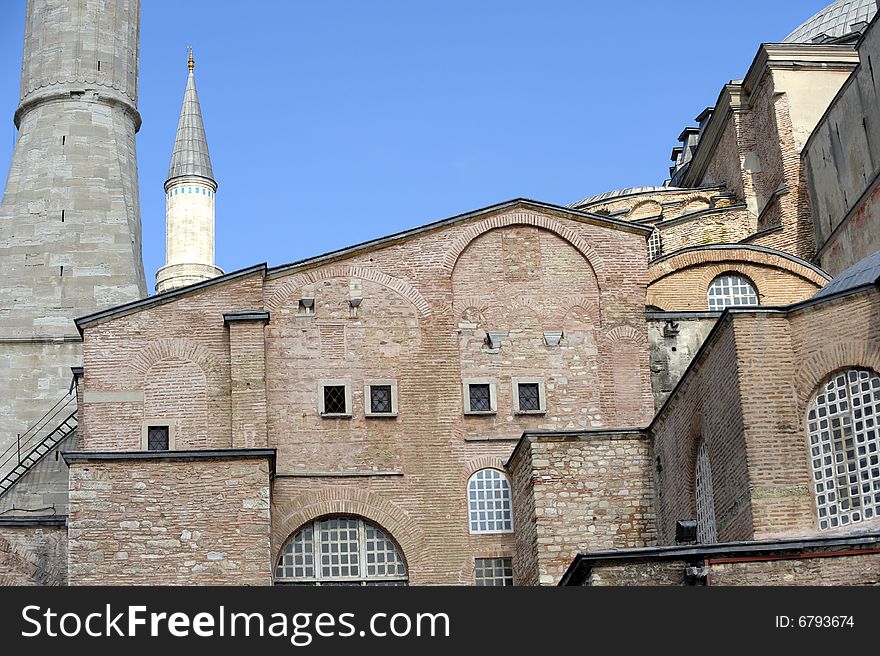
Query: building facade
(673, 384)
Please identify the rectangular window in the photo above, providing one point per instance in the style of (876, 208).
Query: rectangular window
(380, 399)
(334, 400)
(157, 438)
(479, 396)
(528, 397)
(493, 571)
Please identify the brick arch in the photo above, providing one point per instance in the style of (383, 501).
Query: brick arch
(625, 335)
(175, 348)
(530, 219)
(816, 369)
(588, 306)
(728, 256)
(285, 291)
(640, 209)
(484, 462)
(290, 516)
(689, 203)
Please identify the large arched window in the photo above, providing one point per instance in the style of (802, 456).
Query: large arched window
(843, 423)
(705, 497)
(340, 551)
(731, 290)
(489, 502)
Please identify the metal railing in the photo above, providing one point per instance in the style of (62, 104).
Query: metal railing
(30, 446)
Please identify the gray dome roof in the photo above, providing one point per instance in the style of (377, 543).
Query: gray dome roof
(834, 21)
(861, 273)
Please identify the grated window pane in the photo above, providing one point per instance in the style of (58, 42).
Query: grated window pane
(655, 245)
(480, 398)
(340, 551)
(157, 438)
(493, 571)
(334, 400)
(706, 531)
(842, 423)
(380, 398)
(489, 502)
(731, 291)
(529, 397)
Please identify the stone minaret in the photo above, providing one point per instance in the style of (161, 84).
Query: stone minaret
(190, 192)
(70, 227)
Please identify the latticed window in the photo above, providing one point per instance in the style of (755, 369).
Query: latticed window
(489, 502)
(480, 397)
(493, 571)
(655, 245)
(157, 438)
(706, 531)
(334, 400)
(341, 551)
(842, 422)
(380, 398)
(731, 290)
(529, 396)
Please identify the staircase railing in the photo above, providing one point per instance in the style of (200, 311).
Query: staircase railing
(30, 446)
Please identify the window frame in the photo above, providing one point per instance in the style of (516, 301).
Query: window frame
(334, 383)
(506, 563)
(542, 396)
(362, 579)
(825, 447)
(732, 274)
(153, 422)
(368, 398)
(704, 498)
(493, 395)
(505, 513)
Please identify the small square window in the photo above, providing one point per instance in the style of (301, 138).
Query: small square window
(493, 571)
(380, 399)
(157, 438)
(480, 397)
(334, 400)
(528, 397)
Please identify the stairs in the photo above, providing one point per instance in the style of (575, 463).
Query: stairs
(36, 442)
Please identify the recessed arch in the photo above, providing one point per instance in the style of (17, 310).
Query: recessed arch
(530, 219)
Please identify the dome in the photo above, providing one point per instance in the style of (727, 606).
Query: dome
(861, 273)
(835, 21)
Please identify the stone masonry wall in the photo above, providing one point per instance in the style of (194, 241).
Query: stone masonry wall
(169, 522)
(589, 492)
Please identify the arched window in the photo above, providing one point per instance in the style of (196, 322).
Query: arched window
(489, 502)
(706, 532)
(655, 245)
(340, 551)
(730, 290)
(843, 423)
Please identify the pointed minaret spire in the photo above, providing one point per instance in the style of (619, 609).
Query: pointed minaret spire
(189, 199)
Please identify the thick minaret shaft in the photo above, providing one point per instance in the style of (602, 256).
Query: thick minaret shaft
(190, 192)
(70, 230)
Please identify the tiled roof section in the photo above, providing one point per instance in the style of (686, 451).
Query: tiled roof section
(835, 21)
(190, 155)
(863, 272)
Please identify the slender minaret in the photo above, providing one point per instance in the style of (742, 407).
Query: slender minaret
(190, 192)
(70, 227)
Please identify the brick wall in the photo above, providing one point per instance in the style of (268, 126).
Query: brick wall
(169, 522)
(427, 303)
(586, 492)
(702, 411)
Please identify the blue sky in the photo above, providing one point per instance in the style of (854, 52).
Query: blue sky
(334, 122)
